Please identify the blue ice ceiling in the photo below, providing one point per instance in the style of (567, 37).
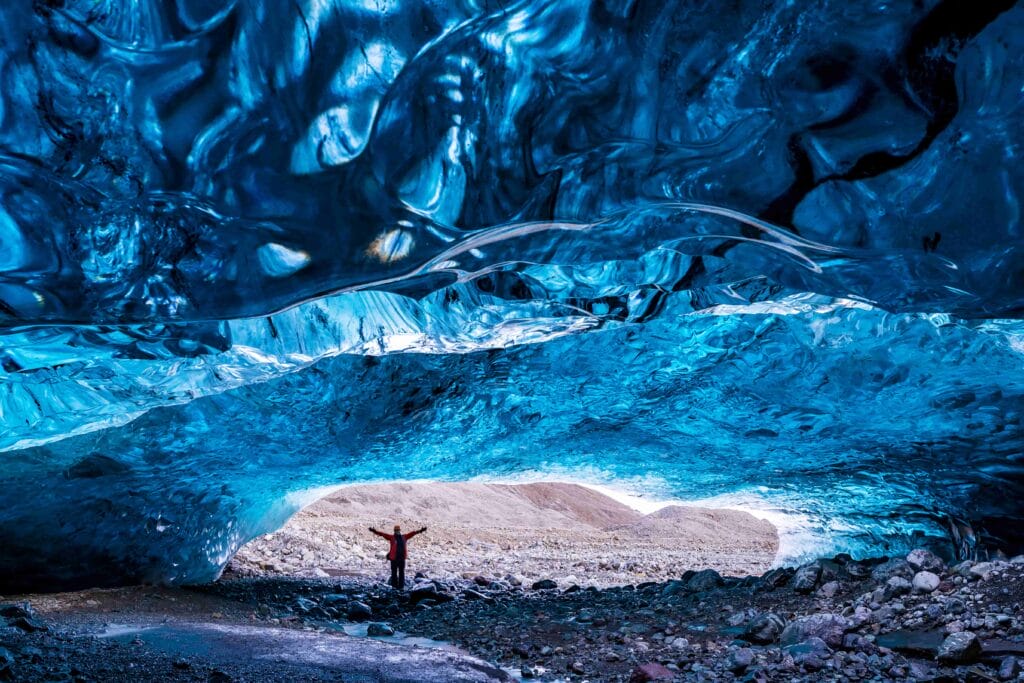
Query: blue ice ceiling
(249, 248)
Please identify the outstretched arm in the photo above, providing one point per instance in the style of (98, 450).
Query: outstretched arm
(380, 533)
(413, 533)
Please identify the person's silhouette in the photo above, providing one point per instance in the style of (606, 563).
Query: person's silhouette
(397, 553)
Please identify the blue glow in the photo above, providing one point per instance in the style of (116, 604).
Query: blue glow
(252, 248)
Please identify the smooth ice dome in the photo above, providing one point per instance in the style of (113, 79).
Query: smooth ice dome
(251, 249)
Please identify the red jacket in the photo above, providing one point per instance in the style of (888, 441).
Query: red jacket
(393, 552)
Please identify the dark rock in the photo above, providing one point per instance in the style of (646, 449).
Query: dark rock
(13, 610)
(577, 668)
(305, 605)
(1009, 668)
(704, 580)
(181, 664)
(359, 611)
(481, 581)
(959, 648)
(739, 660)
(544, 585)
(890, 568)
(651, 672)
(527, 671)
(218, 676)
(470, 594)
(810, 653)
(895, 587)
(998, 647)
(764, 629)
(378, 628)
(925, 561)
(673, 587)
(830, 628)
(806, 578)
(428, 592)
(776, 578)
(333, 599)
(27, 624)
(829, 590)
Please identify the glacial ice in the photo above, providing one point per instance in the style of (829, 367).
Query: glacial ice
(252, 248)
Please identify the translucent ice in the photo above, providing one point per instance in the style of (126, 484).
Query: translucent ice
(250, 248)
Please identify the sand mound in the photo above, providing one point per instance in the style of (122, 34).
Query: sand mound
(544, 530)
(703, 527)
(475, 506)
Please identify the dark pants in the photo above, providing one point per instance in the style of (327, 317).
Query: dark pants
(397, 574)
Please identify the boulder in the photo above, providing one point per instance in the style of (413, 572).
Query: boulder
(830, 628)
(925, 582)
(921, 560)
(959, 648)
(544, 585)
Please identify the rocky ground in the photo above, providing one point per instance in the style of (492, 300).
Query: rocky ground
(549, 529)
(901, 619)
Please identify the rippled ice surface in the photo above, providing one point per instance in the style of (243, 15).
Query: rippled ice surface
(250, 248)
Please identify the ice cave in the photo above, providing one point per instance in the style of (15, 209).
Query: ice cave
(253, 248)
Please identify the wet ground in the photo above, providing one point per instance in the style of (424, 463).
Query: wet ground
(833, 620)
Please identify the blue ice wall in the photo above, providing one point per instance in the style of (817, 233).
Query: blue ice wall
(248, 248)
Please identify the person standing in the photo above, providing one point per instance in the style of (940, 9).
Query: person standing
(397, 553)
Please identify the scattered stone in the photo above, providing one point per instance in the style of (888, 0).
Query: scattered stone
(577, 668)
(651, 672)
(959, 648)
(527, 671)
(922, 560)
(925, 582)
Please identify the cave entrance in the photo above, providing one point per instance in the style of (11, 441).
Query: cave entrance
(568, 533)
